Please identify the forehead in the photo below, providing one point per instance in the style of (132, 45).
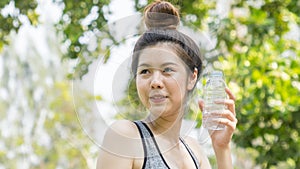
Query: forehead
(159, 54)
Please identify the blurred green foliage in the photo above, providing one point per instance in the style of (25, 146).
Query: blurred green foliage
(266, 80)
(40, 127)
(74, 12)
(260, 61)
(11, 21)
(131, 107)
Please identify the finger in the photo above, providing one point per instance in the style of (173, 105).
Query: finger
(230, 104)
(201, 104)
(230, 125)
(230, 94)
(223, 114)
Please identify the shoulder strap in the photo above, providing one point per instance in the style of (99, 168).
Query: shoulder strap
(196, 162)
(152, 155)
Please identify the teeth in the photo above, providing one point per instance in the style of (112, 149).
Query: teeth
(158, 97)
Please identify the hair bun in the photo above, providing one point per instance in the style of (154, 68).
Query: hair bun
(161, 14)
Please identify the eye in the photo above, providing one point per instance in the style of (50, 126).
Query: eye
(168, 70)
(144, 71)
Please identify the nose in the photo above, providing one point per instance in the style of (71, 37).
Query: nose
(156, 80)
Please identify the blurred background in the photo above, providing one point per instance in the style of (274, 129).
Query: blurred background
(65, 78)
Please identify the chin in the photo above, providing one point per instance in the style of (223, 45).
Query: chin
(158, 111)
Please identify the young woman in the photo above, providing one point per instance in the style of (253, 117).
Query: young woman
(166, 64)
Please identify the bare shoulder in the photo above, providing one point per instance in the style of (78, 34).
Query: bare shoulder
(198, 151)
(123, 128)
(120, 146)
(121, 138)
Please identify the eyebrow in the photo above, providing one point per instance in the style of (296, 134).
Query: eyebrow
(164, 64)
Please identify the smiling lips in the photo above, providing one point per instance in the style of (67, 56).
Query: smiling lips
(158, 98)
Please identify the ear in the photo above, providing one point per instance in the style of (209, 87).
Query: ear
(192, 79)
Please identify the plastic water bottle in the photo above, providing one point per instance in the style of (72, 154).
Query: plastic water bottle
(214, 90)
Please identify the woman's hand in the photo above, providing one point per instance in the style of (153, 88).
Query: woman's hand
(222, 138)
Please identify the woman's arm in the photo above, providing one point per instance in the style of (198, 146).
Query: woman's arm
(221, 139)
(113, 161)
(119, 146)
(223, 156)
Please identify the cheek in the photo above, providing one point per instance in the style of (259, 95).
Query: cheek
(178, 86)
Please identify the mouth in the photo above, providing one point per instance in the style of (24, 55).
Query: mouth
(158, 98)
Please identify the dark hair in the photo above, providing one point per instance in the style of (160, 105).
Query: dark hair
(161, 19)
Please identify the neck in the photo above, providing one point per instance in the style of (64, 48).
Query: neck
(167, 127)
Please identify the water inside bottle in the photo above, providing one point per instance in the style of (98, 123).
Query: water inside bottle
(214, 90)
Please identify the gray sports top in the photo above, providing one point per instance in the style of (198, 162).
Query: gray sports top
(153, 159)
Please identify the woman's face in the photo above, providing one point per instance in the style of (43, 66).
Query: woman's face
(163, 80)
